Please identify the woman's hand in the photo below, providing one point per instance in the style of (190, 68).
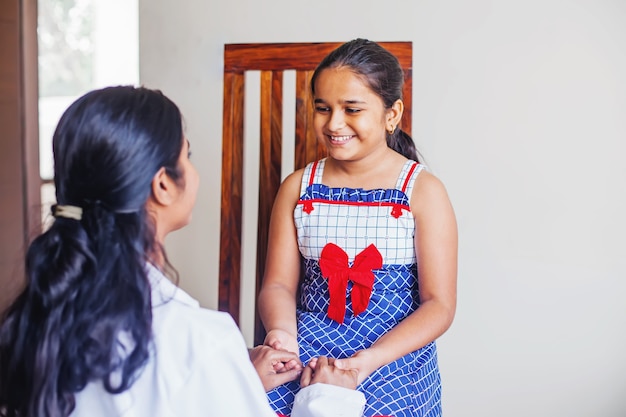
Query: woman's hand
(323, 370)
(282, 340)
(275, 367)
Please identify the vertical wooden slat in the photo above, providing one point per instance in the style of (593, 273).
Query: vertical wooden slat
(307, 148)
(271, 122)
(20, 215)
(30, 119)
(231, 200)
(317, 149)
(303, 103)
(407, 98)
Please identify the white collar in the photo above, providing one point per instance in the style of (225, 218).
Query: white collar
(164, 291)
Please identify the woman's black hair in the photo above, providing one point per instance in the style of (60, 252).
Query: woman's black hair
(381, 70)
(85, 313)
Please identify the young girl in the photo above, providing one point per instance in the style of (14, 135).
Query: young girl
(378, 239)
(99, 330)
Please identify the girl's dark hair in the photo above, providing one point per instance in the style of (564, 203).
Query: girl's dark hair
(85, 313)
(382, 72)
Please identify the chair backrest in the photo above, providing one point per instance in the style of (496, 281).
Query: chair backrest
(271, 59)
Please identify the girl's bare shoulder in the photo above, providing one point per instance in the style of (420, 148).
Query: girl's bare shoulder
(428, 191)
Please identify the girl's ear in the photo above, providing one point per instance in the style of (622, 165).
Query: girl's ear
(163, 188)
(394, 115)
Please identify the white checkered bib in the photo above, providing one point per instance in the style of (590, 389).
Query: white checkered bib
(355, 218)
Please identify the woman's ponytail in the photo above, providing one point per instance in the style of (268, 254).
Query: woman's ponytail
(36, 330)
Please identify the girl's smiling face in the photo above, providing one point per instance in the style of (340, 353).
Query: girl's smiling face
(350, 119)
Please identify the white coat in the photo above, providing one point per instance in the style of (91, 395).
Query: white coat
(199, 366)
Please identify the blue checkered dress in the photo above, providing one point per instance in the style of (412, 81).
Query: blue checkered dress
(353, 219)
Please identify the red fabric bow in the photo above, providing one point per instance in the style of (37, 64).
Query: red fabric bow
(335, 268)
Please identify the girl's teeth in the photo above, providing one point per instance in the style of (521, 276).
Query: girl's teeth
(340, 138)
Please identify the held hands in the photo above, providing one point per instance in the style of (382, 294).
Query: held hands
(277, 362)
(362, 363)
(324, 370)
(275, 367)
(282, 340)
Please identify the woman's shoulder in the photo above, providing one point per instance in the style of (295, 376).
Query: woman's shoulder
(177, 316)
(203, 364)
(175, 322)
(190, 340)
(189, 347)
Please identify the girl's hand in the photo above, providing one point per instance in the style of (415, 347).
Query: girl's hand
(282, 340)
(325, 372)
(362, 362)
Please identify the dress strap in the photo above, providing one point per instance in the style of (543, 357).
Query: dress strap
(312, 174)
(409, 173)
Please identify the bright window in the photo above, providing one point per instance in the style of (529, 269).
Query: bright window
(83, 45)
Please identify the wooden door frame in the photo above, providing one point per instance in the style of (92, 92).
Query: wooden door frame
(19, 93)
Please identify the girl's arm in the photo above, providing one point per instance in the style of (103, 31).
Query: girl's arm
(277, 299)
(436, 251)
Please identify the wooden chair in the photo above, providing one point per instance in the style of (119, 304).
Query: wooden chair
(271, 59)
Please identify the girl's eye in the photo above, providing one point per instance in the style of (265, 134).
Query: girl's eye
(321, 109)
(352, 110)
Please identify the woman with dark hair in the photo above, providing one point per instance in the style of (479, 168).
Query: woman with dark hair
(99, 329)
(377, 236)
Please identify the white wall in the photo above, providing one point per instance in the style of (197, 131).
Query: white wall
(520, 108)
